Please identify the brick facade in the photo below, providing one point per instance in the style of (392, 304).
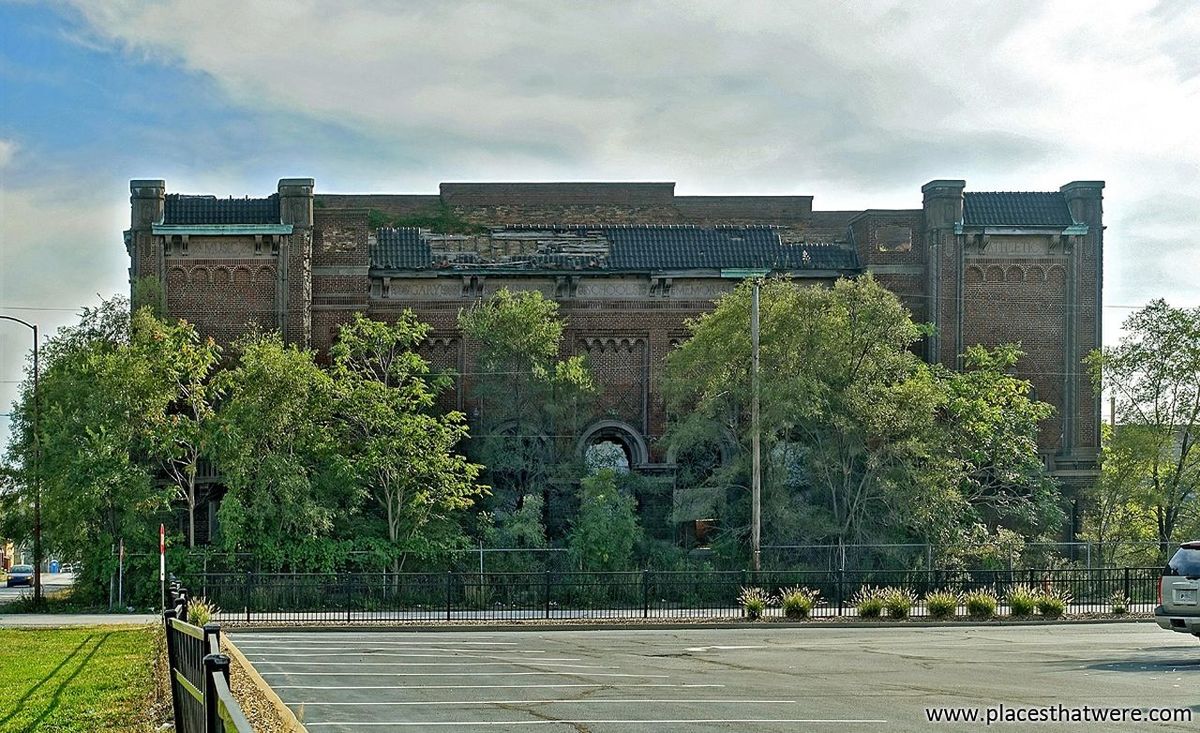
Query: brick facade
(978, 280)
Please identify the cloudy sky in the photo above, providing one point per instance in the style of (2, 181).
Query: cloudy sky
(857, 103)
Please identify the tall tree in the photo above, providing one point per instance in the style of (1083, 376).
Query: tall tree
(991, 426)
(861, 440)
(98, 395)
(531, 403)
(402, 450)
(280, 459)
(846, 405)
(1153, 375)
(180, 432)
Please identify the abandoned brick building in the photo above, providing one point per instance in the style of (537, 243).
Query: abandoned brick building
(629, 263)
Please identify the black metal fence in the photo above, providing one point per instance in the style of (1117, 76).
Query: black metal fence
(471, 596)
(199, 675)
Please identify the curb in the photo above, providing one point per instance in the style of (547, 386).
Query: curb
(421, 627)
(292, 723)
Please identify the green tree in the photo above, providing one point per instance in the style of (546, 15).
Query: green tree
(99, 393)
(531, 403)
(181, 431)
(991, 427)
(1153, 375)
(277, 448)
(605, 532)
(519, 529)
(861, 440)
(1120, 519)
(847, 409)
(401, 450)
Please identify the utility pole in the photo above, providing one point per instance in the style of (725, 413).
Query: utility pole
(756, 476)
(37, 463)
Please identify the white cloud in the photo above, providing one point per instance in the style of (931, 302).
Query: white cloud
(8, 151)
(857, 103)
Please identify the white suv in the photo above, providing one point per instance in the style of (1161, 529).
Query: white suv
(1179, 591)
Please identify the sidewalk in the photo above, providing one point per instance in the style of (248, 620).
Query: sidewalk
(44, 620)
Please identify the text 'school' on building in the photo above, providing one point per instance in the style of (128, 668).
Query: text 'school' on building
(629, 263)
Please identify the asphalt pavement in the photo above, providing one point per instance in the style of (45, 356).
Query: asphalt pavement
(754, 679)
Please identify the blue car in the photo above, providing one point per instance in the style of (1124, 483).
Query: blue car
(20, 575)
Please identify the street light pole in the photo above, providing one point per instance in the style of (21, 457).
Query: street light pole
(37, 462)
(756, 477)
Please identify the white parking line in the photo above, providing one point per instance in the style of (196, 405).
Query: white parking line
(343, 638)
(552, 702)
(675, 721)
(432, 664)
(404, 655)
(484, 687)
(460, 674)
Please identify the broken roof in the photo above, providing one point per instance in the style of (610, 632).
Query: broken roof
(613, 248)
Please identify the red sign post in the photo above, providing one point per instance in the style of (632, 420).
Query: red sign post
(162, 563)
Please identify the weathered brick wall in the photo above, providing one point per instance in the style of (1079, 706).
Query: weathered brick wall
(340, 271)
(1022, 301)
(222, 296)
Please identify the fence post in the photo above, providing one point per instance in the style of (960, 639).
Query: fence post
(170, 632)
(449, 581)
(1128, 588)
(246, 594)
(841, 591)
(346, 594)
(645, 594)
(212, 638)
(547, 593)
(213, 664)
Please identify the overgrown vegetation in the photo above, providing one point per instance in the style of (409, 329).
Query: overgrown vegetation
(440, 218)
(862, 441)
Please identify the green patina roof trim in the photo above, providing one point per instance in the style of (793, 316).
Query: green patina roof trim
(221, 229)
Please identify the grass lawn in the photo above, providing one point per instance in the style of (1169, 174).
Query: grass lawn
(85, 679)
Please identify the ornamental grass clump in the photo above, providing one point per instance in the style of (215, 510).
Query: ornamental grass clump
(798, 602)
(1053, 603)
(1119, 603)
(898, 602)
(200, 611)
(981, 604)
(754, 602)
(1022, 601)
(868, 602)
(942, 603)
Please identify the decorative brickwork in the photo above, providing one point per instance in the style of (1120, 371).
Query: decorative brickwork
(982, 267)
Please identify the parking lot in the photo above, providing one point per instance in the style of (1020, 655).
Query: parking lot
(758, 679)
(51, 583)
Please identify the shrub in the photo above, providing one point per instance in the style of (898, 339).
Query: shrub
(868, 601)
(1053, 603)
(898, 602)
(1119, 602)
(1022, 601)
(200, 611)
(798, 602)
(942, 603)
(981, 604)
(754, 602)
